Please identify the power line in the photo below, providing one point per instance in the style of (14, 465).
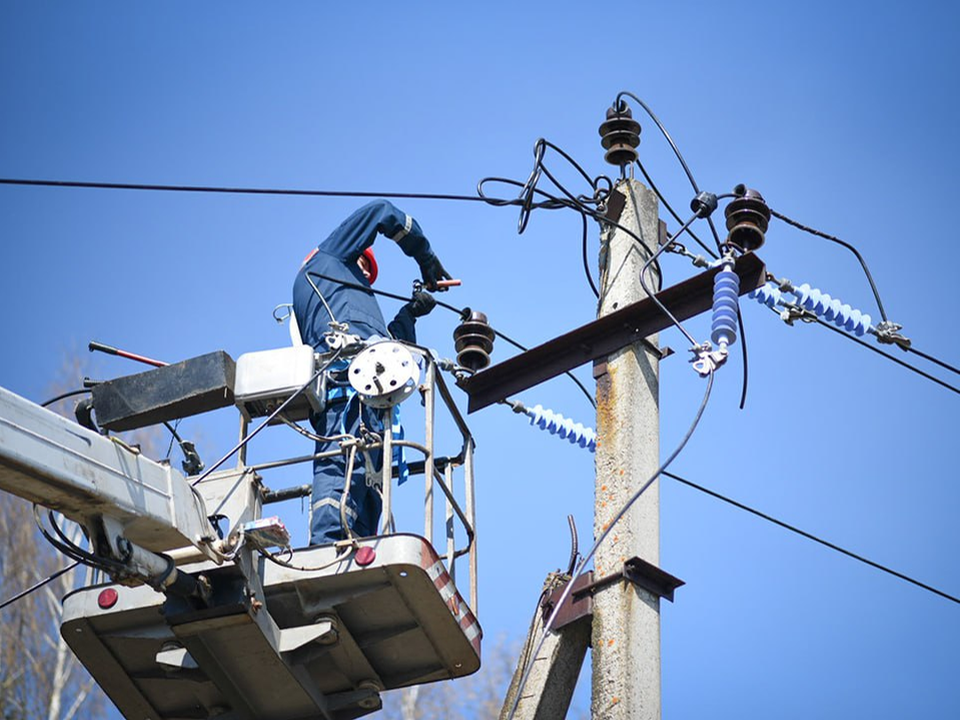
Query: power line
(867, 345)
(243, 190)
(810, 536)
(37, 586)
(842, 243)
(941, 363)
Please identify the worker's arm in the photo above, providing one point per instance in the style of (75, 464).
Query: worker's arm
(403, 326)
(358, 232)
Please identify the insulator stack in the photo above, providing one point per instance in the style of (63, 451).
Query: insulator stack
(726, 290)
(820, 304)
(747, 219)
(473, 340)
(832, 310)
(566, 429)
(768, 295)
(620, 135)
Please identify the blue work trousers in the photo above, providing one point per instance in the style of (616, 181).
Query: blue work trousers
(364, 503)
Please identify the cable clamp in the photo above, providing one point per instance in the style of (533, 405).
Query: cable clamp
(707, 359)
(792, 312)
(888, 334)
(337, 337)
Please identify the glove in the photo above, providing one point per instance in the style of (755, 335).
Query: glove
(422, 304)
(431, 270)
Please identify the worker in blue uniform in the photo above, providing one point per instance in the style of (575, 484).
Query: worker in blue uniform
(328, 284)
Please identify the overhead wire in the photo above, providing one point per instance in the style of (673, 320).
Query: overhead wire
(813, 318)
(238, 190)
(930, 358)
(673, 146)
(811, 536)
(896, 360)
(603, 536)
(842, 243)
(36, 586)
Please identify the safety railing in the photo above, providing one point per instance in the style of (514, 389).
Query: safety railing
(451, 476)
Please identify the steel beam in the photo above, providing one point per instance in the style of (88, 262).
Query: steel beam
(603, 336)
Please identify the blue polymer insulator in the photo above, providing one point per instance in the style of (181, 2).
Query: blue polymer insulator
(768, 295)
(557, 424)
(832, 310)
(726, 290)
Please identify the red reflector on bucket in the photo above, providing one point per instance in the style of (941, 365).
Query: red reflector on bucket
(107, 598)
(365, 556)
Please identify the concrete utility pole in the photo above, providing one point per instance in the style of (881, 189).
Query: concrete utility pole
(626, 618)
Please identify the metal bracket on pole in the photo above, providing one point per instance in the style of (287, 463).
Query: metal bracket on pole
(579, 602)
(638, 572)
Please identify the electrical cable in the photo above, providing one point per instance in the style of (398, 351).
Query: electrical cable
(932, 359)
(459, 311)
(238, 190)
(744, 364)
(37, 586)
(868, 346)
(652, 296)
(283, 406)
(898, 361)
(810, 536)
(64, 396)
(670, 209)
(586, 260)
(673, 146)
(603, 536)
(838, 241)
(74, 552)
(309, 435)
(578, 203)
(283, 563)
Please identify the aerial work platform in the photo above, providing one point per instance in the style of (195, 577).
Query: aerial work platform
(204, 619)
(345, 633)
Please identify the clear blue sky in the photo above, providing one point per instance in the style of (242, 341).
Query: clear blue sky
(843, 115)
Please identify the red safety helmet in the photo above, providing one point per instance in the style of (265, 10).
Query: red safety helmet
(371, 258)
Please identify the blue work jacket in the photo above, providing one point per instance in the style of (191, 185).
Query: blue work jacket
(336, 257)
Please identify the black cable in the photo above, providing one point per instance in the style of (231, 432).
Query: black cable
(663, 201)
(745, 364)
(810, 536)
(64, 396)
(932, 359)
(74, 552)
(37, 586)
(238, 190)
(586, 260)
(451, 308)
(898, 361)
(652, 296)
(838, 241)
(673, 146)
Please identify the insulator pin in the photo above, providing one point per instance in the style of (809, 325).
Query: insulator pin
(620, 135)
(473, 340)
(726, 290)
(747, 219)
